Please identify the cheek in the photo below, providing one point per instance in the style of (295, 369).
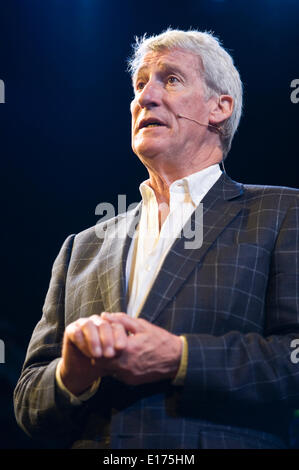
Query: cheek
(132, 105)
(191, 105)
(133, 109)
(134, 118)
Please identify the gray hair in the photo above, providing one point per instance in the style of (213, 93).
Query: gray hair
(219, 72)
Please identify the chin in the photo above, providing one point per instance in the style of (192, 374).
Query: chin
(149, 150)
(147, 153)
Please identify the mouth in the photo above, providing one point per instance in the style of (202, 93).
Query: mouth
(150, 123)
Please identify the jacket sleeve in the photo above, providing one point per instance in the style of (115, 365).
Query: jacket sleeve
(41, 408)
(252, 368)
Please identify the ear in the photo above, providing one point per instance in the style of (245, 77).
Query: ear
(222, 109)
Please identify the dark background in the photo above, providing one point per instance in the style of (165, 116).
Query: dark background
(65, 129)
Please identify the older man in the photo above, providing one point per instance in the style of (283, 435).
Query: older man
(146, 342)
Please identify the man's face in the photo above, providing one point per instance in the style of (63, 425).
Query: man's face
(166, 84)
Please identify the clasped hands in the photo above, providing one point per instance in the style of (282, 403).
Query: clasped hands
(131, 349)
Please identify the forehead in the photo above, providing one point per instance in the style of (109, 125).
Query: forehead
(186, 61)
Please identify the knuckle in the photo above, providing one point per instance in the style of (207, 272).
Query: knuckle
(80, 324)
(96, 319)
(78, 335)
(70, 329)
(87, 324)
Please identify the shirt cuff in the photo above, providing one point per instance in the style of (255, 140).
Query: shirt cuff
(76, 400)
(181, 373)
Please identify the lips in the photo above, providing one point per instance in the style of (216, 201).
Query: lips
(150, 122)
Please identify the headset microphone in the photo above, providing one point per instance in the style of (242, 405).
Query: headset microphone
(214, 128)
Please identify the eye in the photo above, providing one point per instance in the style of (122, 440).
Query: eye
(139, 86)
(172, 80)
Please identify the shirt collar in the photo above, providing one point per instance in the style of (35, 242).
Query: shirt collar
(194, 185)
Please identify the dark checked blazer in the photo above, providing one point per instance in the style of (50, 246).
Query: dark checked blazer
(236, 299)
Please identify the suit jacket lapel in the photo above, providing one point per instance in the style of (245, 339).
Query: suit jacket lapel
(112, 270)
(218, 212)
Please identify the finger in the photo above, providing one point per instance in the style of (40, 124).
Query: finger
(107, 339)
(120, 336)
(92, 340)
(75, 336)
(130, 324)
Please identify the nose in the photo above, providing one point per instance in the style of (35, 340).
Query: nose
(150, 96)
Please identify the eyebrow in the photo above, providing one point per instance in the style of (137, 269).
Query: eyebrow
(165, 67)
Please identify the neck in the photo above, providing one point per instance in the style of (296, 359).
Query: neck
(163, 173)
